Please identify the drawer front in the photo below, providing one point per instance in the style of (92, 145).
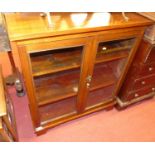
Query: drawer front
(151, 55)
(147, 70)
(143, 82)
(139, 93)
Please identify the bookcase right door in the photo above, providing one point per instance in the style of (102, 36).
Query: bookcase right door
(109, 63)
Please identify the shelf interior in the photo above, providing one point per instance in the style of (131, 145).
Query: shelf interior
(99, 96)
(58, 109)
(113, 50)
(55, 60)
(56, 87)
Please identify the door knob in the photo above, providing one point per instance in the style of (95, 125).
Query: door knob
(88, 85)
(88, 81)
(89, 78)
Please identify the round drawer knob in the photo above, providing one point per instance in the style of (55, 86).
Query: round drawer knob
(136, 95)
(88, 85)
(153, 89)
(143, 82)
(150, 68)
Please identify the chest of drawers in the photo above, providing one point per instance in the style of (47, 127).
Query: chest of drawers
(140, 80)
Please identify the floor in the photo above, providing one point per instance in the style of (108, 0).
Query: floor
(136, 123)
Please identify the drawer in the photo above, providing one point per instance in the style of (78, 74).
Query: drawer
(143, 82)
(139, 93)
(143, 70)
(150, 57)
(147, 70)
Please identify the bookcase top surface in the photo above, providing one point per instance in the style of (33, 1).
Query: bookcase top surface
(28, 25)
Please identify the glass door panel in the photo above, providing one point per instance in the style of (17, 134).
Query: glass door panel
(56, 78)
(110, 60)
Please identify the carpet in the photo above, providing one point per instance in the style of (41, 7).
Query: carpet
(134, 124)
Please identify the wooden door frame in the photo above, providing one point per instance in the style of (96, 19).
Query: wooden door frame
(110, 36)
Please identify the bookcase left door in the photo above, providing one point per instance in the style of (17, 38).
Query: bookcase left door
(54, 72)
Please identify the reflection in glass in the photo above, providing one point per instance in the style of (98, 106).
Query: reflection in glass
(110, 61)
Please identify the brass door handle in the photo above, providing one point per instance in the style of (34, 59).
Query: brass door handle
(88, 81)
(89, 78)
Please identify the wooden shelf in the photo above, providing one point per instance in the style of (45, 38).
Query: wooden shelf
(110, 56)
(113, 48)
(99, 96)
(58, 109)
(57, 87)
(103, 76)
(56, 61)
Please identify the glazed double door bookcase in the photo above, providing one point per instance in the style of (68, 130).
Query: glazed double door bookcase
(69, 77)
